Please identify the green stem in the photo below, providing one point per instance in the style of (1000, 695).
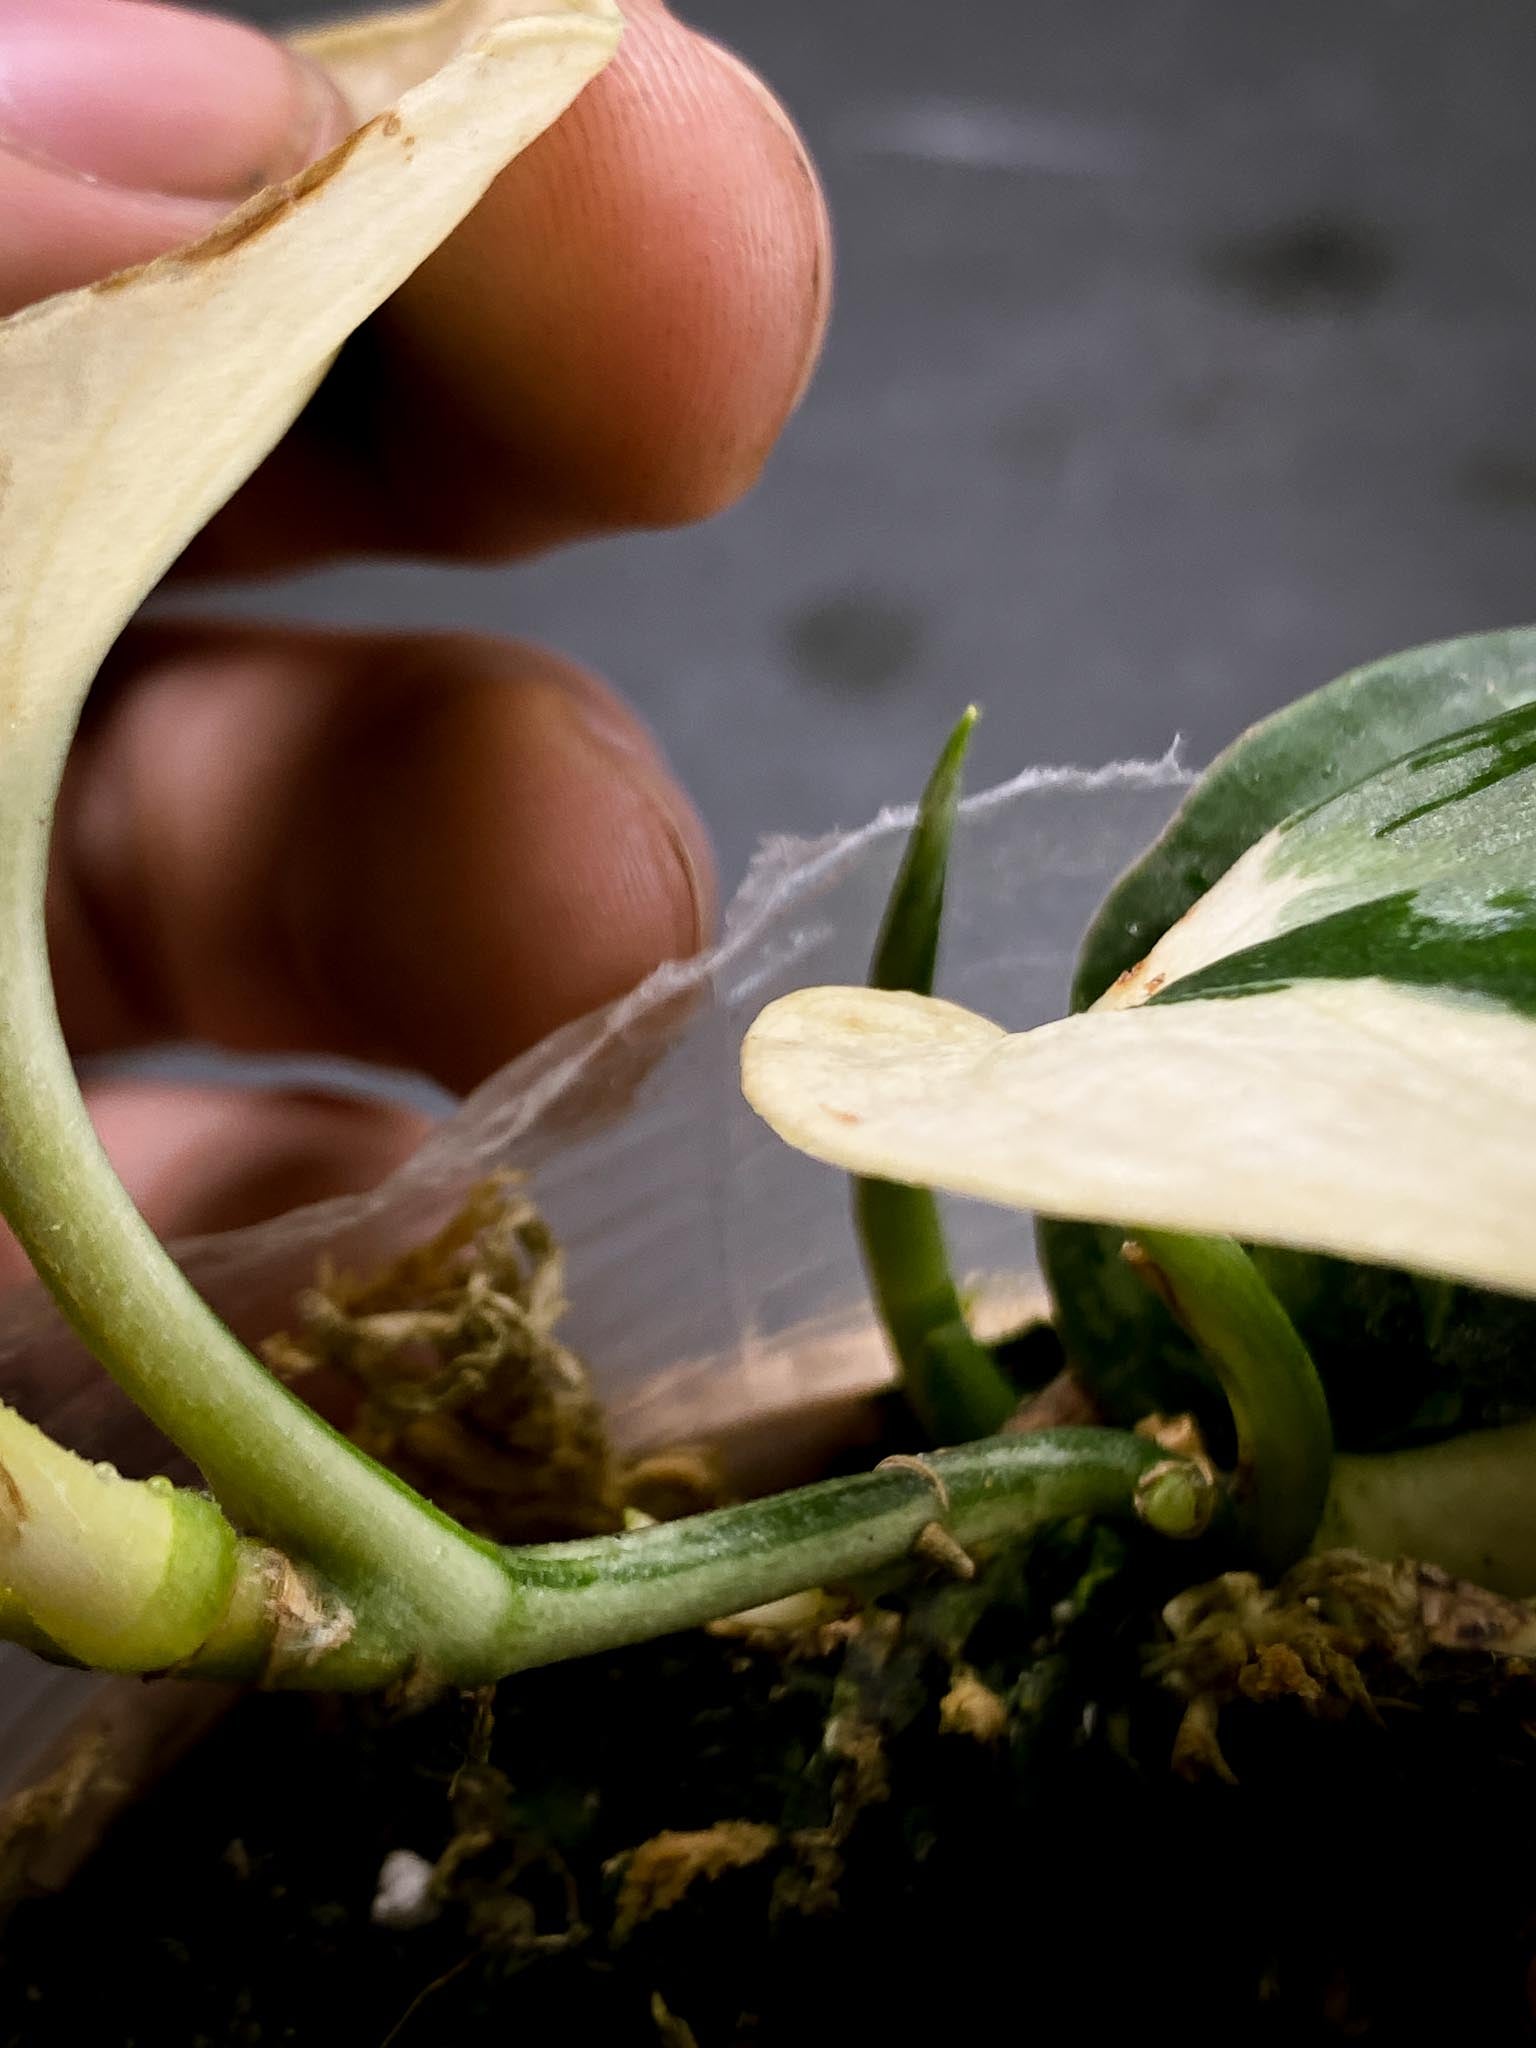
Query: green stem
(358, 1582)
(118, 1574)
(18, 1627)
(610, 1590)
(277, 1469)
(1464, 1505)
(1284, 1431)
(953, 1382)
(266, 1620)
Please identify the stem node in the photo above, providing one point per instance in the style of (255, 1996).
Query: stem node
(1284, 1431)
(1177, 1498)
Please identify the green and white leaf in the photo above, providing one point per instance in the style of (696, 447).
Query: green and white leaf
(1403, 1358)
(1335, 1049)
(1421, 875)
(1324, 743)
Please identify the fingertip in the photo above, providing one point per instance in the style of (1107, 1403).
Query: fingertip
(634, 311)
(549, 865)
(127, 129)
(200, 1158)
(428, 851)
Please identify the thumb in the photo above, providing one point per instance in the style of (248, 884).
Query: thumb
(127, 128)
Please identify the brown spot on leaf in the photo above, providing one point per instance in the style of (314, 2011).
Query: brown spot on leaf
(117, 279)
(245, 226)
(252, 219)
(273, 205)
(13, 1506)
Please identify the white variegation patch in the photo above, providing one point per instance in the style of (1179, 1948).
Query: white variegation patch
(1254, 900)
(1450, 828)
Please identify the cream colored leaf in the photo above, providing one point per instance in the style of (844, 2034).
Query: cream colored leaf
(376, 57)
(1354, 1117)
(131, 410)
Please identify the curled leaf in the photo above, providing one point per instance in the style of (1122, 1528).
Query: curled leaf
(133, 408)
(128, 413)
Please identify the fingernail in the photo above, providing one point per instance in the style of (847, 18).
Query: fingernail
(158, 99)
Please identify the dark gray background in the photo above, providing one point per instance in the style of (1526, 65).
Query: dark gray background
(1184, 355)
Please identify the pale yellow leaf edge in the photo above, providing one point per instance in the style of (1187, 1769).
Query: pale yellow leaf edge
(1354, 1117)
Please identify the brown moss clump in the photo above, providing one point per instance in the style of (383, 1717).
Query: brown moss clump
(32, 1817)
(444, 1364)
(1339, 1634)
(657, 1874)
(448, 1362)
(972, 1708)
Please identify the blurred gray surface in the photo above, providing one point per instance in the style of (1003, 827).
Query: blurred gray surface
(1184, 355)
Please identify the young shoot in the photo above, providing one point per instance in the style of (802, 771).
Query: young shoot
(953, 1381)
